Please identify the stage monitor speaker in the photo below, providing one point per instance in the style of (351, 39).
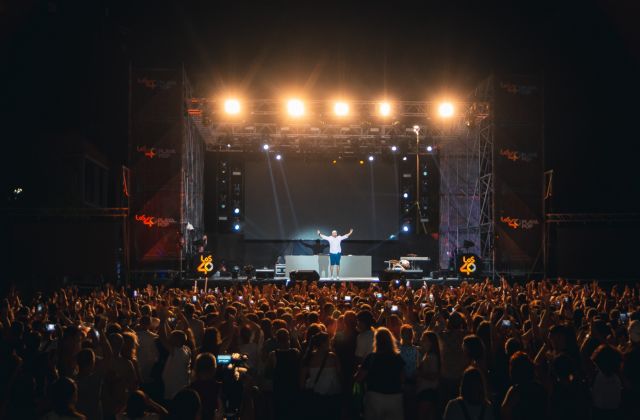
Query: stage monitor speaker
(308, 275)
(265, 273)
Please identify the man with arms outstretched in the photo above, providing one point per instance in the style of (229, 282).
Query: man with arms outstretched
(334, 250)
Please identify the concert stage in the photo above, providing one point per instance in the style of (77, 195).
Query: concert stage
(359, 281)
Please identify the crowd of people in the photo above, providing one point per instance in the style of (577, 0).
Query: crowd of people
(534, 350)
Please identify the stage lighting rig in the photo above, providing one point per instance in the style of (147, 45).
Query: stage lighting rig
(341, 109)
(385, 109)
(295, 108)
(232, 106)
(446, 109)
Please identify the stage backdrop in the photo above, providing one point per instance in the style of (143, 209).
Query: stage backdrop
(292, 198)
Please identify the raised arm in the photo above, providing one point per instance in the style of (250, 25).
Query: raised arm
(321, 235)
(348, 234)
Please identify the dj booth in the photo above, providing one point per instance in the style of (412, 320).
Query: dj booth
(350, 265)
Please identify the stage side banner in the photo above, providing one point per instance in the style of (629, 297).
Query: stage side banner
(156, 163)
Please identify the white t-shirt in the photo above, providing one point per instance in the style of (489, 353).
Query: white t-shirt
(176, 371)
(147, 354)
(364, 344)
(334, 243)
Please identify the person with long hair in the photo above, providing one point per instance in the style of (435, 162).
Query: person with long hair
(284, 366)
(428, 376)
(321, 377)
(206, 385)
(383, 373)
(525, 399)
(472, 401)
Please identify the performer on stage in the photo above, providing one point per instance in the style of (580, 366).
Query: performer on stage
(334, 250)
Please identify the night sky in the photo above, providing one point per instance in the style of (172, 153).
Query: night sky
(65, 63)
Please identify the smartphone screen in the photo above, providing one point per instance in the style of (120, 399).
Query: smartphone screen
(347, 298)
(394, 308)
(506, 323)
(223, 359)
(194, 298)
(50, 327)
(40, 307)
(379, 295)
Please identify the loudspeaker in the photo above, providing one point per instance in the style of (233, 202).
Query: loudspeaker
(265, 273)
(308, 275)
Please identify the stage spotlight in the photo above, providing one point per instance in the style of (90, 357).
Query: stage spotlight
(361, 162)
(445, 109)
(429, 149)
(228, 145)
(341, 109)
(295, 108)
(384, 109)
(265, 147)
(236, 227)
(334, 161)
(404, 158)
(232, 106)
(370, 158)
(405, 195)
(394, 148)
(405, 228)
(278, 157)
(236, 210)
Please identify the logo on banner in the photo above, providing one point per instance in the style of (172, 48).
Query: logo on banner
(154, 84)
(152, 152)
(524, 224)
(151, 221)
(518, 89)
(206, 264)
(515, 155)
(468, 266)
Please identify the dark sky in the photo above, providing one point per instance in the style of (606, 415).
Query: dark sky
(66, 68)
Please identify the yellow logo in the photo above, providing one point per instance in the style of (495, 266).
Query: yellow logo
(468, 265)
(206, 264)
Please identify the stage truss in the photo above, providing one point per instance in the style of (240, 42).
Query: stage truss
(362, 132)
(463, 143)
(466, 187)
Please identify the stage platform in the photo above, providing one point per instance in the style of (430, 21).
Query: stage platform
(360, 281)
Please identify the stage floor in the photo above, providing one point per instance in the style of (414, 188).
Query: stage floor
(324, 280)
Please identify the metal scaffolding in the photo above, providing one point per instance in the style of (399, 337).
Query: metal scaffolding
(466, 186)
(192, 223)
